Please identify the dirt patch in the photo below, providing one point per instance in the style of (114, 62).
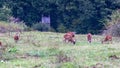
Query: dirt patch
(97, 65)
(37, 66)
(31, 56)
(22, 56)
(113, 57)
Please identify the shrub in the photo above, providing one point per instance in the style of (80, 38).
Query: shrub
(28, 29)
(61, 28)
(5, 12)
(13, 50)
(41, 27)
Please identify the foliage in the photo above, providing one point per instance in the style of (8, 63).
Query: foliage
(5, 26)
(5, 13)
(82, 16)
(114, 18)
(61, 28)
(13, 50)
(41, 27)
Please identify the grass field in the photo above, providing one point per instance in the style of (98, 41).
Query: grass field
(47, 50)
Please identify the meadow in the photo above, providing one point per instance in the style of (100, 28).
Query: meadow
(47, 50)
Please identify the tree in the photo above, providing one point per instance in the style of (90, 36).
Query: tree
(5, 11)
(82, 16)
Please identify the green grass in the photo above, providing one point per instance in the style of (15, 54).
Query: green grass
(44, 50)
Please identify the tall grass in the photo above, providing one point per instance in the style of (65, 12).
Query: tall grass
(11, 26)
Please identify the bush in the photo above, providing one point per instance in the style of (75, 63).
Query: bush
(5, 12)
(41, 27)
(61, 28)
(28, 29)
(17, 26)
(52, 30)
(13, 50)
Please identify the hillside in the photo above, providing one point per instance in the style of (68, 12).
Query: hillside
(47, 50)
